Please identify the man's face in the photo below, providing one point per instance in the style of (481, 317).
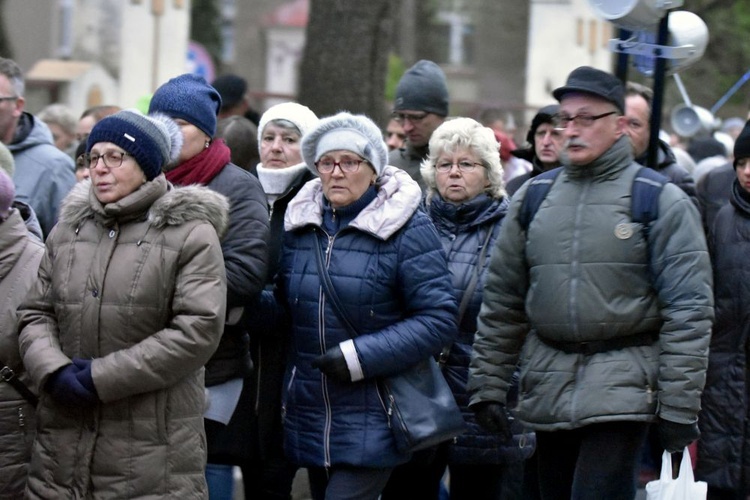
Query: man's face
(418, 125)
(547, 143)
(638, 126)
(585, 142)
(11, 107)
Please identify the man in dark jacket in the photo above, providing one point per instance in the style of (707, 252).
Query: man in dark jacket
(420, 106)
(43, 174)
(543, 153)
(638, 99)
(610, 322)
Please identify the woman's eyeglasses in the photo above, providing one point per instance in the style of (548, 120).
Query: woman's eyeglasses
(111, 159)
(463, 166)
(348, 165)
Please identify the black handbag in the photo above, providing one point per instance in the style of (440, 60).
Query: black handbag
(421, 407)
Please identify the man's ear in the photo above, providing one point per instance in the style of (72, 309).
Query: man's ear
(20, 105)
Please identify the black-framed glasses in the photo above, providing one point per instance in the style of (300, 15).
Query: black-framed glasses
(9, 98)
(463, 166)
(414, 118)
(582, 120)
(348, 165)
(111, 159)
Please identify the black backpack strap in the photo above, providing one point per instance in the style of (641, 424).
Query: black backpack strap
(644, 204)
(538, 188)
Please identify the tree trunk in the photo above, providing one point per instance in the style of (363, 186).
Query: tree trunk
(5, 48)
(345, 61)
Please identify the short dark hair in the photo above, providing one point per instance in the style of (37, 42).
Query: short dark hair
(637, 89)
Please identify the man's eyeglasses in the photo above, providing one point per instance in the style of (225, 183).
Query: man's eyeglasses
(111, 159)
(413, 118)
(582, 120)
(463, 166)
(348, 165)
(9, 98)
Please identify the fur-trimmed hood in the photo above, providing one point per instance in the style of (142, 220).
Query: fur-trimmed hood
(162, 203)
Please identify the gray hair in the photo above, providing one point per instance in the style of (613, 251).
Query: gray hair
(61, 115)
(13, 73)
(465, 133)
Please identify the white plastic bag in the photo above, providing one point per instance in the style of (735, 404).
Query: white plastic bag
(685, 487)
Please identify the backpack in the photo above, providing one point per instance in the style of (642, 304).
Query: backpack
(644, 196)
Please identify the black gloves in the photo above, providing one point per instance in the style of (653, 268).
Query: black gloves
(72, 385)
(674, 437)
(333, 364)
(494, 418)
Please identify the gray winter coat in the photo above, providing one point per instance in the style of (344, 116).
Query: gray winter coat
(583, 272)
(139, 287)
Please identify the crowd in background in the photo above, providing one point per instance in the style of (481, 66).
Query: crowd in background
(197, 286)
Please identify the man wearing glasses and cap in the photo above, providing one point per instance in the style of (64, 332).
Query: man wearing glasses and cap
(609, 320)
(420, 106)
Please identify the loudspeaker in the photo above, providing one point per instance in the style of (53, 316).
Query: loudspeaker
(689, 121)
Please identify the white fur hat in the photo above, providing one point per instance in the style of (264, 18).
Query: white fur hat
(301, 116)
(355, 133)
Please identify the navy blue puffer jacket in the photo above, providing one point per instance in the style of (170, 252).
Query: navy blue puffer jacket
(390, 272)
(463, 230)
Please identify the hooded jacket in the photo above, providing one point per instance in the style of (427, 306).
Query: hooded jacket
(666, 165)
(584, 272)
(139, 287)
(43, 174)
(724, 446)
(20, 254)
(390, 272)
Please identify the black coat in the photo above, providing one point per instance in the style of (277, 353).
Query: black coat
(724, 446)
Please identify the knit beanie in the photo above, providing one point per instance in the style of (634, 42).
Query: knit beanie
(422, 88)
(301, 116)
(188, 97)
(7, 163)
(231, 89)
(7, 195)
(355, 133)
(742, 144)
(544, 115)
(153, 140)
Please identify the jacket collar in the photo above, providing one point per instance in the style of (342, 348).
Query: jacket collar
(618, 157)
(396, 201)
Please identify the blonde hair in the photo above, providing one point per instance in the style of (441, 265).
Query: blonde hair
(465, 133)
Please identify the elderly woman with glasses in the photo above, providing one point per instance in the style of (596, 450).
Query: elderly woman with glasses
(359, 224)
(465, 198)
(128, 306)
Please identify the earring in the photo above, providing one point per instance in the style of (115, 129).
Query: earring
(208, 143)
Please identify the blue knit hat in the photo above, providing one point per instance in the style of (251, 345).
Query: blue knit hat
(152, 140)
(188, 97)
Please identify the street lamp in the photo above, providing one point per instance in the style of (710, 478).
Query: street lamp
(649, 32)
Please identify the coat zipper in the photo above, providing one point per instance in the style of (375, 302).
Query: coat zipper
(321, 340)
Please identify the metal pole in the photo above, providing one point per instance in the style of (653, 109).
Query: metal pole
(621, 69)
(660, 66)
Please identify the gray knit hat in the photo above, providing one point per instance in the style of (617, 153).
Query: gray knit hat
(153, 140)
(7, 195)
(355, 133)
(422, 88)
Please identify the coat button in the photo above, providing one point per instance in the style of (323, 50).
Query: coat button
(94, 293)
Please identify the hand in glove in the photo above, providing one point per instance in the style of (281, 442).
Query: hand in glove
(494, 418)
(674, 437)
(84, 375)
(333, 364)
(66, 389)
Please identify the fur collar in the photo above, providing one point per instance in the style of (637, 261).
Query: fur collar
(159, 202)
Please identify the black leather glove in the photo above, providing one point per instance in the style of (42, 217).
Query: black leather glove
(66, 389)
(674, 437)
(333, 364)
(494, 418)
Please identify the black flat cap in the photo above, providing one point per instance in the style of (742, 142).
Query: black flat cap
(588, 80)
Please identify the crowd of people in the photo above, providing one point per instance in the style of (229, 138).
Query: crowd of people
(196, 287)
